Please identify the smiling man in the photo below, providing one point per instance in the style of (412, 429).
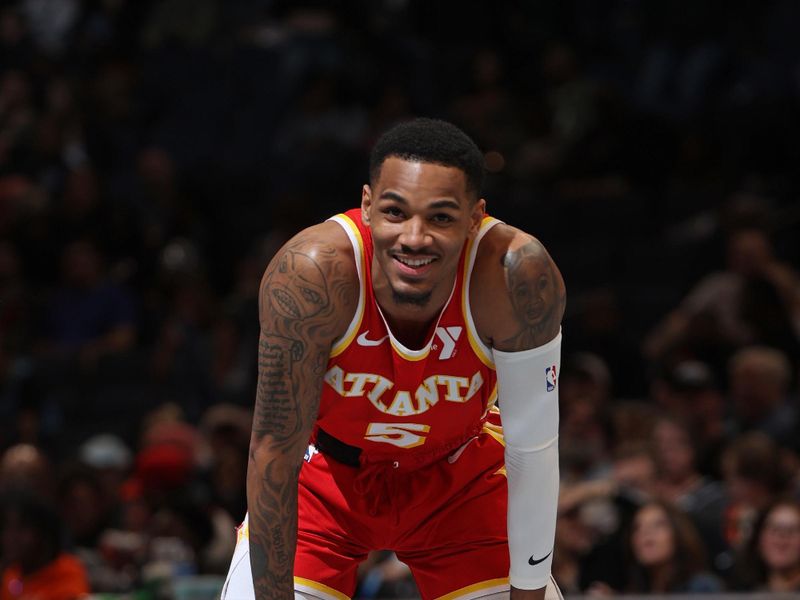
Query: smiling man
(389, 336)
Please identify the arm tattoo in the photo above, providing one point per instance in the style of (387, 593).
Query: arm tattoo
(305, 291)
(537, 296)
(275, 412)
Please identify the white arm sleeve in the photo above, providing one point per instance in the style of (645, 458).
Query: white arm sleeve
(528, 397)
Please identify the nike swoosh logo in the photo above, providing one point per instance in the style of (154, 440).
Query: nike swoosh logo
(364, 341)
(535, 561)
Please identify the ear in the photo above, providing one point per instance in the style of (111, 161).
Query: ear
(478, 213)
(366, 203)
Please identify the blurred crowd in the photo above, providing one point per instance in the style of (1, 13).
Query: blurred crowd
(155, 154)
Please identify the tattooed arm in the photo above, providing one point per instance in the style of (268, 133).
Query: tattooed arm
(307, 298)
(525, 291)
(518, 294)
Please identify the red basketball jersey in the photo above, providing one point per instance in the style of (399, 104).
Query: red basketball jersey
(399, 404)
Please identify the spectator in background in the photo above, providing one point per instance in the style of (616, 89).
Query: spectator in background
(759, 385)
(584, 404)
(169, 496)
(383, 575)
(230, 362)
(87, 513)
(755, 475)
(35, 566)
(83, 505)
(668, 554)
(607, 506)
(770, 304)
(577, 531)
(109, 458)
(88, 315)
(226, 429)
(91, 502)
(680, 484)
(771, 560)
(714, 316)
(598, 323)
(689, 392)
(180, 360)
(25, 468)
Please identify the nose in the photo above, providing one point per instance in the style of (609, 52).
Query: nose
(415, 234)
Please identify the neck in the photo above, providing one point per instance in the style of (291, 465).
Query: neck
(784, 580)
(410, 323)
(660, 576)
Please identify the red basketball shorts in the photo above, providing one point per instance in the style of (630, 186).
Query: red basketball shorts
(447, 521)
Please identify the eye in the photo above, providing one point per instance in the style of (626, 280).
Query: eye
(442, 218)
(393, 212)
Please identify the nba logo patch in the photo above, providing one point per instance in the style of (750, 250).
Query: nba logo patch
(310, 452)
(551, 378)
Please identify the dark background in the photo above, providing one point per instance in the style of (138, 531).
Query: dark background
(154, 155)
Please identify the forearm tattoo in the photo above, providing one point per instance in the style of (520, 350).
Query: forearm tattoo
(537, 296)
(304, 292)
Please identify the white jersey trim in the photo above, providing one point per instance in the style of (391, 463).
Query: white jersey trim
(400, 348)
(483, 351)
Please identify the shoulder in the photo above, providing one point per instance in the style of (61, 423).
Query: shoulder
(313, 276)
(323, 240)
(517, 293)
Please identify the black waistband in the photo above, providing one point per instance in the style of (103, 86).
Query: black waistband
(337, 449)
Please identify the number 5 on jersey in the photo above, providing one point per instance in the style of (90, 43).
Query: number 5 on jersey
(400, 434)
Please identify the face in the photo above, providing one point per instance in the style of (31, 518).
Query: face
(573, 535)
(748, 252)
(420, 215)
(20, 541)
(637, 472)
(779, 544)
(754, 389)
(652, 541)
(532, 291)
(674, 449)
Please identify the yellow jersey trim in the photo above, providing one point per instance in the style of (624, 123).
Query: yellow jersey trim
(329, 592)
(491, 403)
(403, 352)
(351, 229)
(491, 585)
(243, 531)
(496, 431)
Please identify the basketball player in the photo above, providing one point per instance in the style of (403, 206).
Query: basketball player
(389, 336)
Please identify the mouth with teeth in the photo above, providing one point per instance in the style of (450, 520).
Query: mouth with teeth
(414, 267)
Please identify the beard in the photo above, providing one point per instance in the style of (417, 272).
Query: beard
(418, 299)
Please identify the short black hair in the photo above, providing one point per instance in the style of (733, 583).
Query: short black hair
(431, 141)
